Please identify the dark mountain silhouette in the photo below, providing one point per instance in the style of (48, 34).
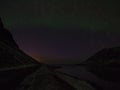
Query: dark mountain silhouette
(1, 24)
(6, 37)
(10, 53)
(15, 65)
(105, 64)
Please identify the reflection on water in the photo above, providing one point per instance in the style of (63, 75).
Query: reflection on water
(83, 74)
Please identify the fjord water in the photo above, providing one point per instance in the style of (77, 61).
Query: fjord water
(82, 73)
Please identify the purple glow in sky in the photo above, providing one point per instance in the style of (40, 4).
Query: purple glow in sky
(68, 43)
(38, 26)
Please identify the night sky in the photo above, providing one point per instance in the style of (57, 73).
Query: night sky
(73, 29)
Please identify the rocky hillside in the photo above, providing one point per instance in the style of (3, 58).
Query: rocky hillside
(10, 53)
(105, 64)
(15, 65)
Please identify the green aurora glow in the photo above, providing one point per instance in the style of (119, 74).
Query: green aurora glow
(87, 14)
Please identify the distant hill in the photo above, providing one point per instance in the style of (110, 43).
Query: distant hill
(105, 64)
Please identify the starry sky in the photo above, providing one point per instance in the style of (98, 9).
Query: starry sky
(74, 29)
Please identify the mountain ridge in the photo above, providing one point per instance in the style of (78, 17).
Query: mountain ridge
(105, 64)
